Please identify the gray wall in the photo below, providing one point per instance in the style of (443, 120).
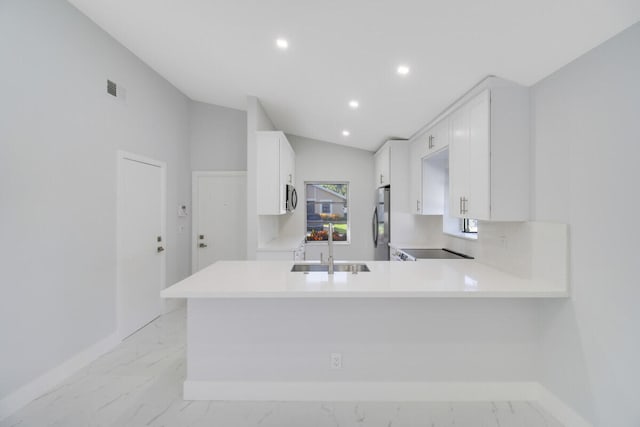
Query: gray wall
(260, 228)
(217, 137)
(59, 132)
(586, 146)
(323, 161)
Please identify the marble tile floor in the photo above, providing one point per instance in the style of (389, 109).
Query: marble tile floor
(139, 383)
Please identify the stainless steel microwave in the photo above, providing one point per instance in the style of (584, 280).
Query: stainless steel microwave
(292, 198)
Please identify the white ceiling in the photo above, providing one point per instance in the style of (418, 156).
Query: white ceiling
(220, 51)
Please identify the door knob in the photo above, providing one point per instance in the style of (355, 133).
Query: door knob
(160, 249)
(203, 245)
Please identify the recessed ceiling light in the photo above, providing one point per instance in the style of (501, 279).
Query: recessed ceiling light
(282, 43)
(354, 104)
(346, 133)
(403, 70)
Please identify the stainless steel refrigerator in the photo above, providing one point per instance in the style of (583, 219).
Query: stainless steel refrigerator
(380, 224)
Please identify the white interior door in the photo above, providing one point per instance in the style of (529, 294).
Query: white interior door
(220, 214)
(141, 242)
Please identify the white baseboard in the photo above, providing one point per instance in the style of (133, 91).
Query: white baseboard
(47, 381)
(560, 410)
(361, 391)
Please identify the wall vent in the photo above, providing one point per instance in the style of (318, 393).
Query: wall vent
(112, 88)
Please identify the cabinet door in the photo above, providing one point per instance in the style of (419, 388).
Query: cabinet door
(288, 159)
(284, 173)
(438, 136)
(382, 160)
(416, 151)
(459, 159)
(287, 169)
(292, 165)
(270, 192)
(478, 205)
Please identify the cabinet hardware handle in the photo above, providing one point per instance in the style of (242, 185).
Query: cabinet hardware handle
(202, 245)
(417, 205)
(460, 205)
(290, 178)
(381, 178)
(430, 142)
(159, 249)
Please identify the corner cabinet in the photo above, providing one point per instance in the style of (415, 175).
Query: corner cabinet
(489, 156)
(275, 170)
(382, 166)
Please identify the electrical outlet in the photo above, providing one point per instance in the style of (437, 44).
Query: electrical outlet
(336, 361)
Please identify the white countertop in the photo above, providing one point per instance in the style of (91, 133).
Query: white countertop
(451, 278)
(285, 243)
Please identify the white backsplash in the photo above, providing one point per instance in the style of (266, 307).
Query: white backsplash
(526, 249)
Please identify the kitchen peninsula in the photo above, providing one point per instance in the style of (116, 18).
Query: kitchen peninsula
(433, 329)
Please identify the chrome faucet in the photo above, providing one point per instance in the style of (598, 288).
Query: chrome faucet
(330, 258)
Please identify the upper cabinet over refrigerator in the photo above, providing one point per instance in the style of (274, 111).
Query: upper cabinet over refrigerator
(382, 166)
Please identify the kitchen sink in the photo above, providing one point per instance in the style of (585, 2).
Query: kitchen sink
(349, 268)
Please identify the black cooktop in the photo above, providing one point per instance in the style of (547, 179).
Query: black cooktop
(434, 254)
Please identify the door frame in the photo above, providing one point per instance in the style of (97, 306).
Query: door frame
(194, 208)
(120, 157)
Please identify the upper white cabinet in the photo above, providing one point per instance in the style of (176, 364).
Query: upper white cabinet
(382, 166)
(489, 156)
(417, 150)
(438, 136)
(275, 170)
(426, 194)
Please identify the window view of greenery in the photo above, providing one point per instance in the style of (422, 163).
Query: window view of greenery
(327, 204)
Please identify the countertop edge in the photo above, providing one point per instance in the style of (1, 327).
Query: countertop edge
(369, 294)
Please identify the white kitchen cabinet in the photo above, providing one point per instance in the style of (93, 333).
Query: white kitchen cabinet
(417, 150)
(275, 169)
(489, 156)
(426, 176)
(382, 163)
(438, 136)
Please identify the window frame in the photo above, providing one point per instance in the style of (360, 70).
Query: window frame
(347, 205)
(465, 226)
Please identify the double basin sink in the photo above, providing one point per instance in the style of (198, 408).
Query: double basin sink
(337, 267)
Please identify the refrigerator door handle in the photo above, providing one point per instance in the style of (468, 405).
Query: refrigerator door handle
(374, 224)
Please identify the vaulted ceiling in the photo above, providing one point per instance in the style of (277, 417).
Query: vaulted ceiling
(220, 51)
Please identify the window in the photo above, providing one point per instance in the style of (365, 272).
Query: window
(469, 225)
(327, 203)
